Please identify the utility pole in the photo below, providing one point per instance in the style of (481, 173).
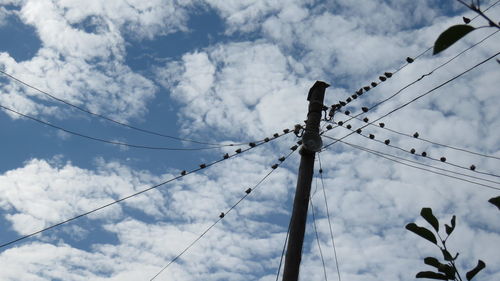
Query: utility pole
(311, 143)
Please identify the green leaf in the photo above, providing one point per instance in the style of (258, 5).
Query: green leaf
(447, 256)
(449, 229)
(444, 268)
(432, 262)
(431, 275)
(422, 232)
(448, 270)
(427, 214)
(480, 265)
(495, 200)
(450, 36)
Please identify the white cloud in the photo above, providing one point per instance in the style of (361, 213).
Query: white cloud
(251, 85)
(82, 54)
(246, 89)
(39, 194)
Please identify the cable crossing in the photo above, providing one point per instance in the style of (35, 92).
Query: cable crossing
(415, 99)
(423, 154)
(337, 107)
(182, 174)
(223, 214)
(394, 159)
(417, 136)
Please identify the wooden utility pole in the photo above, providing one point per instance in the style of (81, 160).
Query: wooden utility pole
(311, 143)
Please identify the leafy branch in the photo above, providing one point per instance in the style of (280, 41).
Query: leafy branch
(457, 32)
(448, 269)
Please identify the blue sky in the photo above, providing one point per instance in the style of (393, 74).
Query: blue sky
(235, 72)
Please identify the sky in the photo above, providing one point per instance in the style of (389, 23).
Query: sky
(202, 78)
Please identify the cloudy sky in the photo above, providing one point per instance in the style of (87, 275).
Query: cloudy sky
(193, 77)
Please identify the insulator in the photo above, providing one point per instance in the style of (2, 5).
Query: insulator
(296, 129)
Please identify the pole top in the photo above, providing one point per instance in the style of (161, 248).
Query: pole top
(317, 91)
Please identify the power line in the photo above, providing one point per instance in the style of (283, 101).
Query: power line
(328, 216)
(337, 107)
(489, 7)
(110, 141)
(445, 170)
(418, 97)
(222, 215)
(283, 251)
(317, 236)
(183, 173)
(426, 155)
(391, 158)
(409, 60)
(10, 76)
(383, 126)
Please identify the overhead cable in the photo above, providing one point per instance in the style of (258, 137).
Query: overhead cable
(418, 97)
(182, 174)
(216, 145)
(337, 107)
(117, 142)
(317, 237)
(394, 159)
(424, 154)
(223, 214)
(328, 216)
(418, 137)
